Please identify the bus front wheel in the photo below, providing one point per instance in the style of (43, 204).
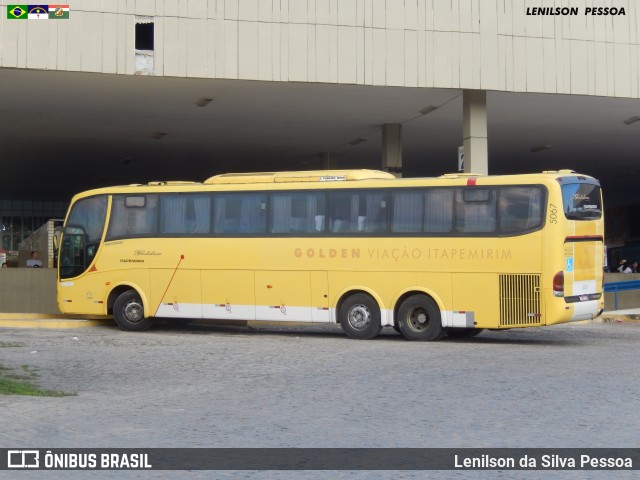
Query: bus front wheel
(419, 319)
(360, 317)
(128, 312)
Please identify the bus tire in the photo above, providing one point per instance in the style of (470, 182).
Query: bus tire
(128, 312)
(419, 319)
(360, 317)
(463, 332)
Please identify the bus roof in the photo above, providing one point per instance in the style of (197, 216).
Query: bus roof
(301, 176)
(334, 179)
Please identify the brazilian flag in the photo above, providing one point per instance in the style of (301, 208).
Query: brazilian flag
(17, 12)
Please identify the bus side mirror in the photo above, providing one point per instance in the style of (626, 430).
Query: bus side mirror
(57, 234)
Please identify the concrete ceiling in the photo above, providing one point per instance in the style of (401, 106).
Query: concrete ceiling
(64, 132)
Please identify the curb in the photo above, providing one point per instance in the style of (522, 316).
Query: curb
(42, 320)
(49, 323)
(39, 316)
(620, 318)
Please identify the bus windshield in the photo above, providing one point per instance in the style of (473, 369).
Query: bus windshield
(581, 201)
(83, 232)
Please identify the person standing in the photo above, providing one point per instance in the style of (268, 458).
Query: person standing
(34, 261)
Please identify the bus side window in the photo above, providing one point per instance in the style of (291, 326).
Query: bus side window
(298, 220)
(475, 210)
(134, 216)
(340, 211)
(239, 213)
(520, 209)
(253, 214)
(438, 210)
(226, 212)
(407, 212)
(297, 212)
(372, 217)
(185, 214)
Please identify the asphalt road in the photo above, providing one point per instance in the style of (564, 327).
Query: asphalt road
(207, 386)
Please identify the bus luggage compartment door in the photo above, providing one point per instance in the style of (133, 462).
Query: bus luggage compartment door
(174, 294)
(283, 296)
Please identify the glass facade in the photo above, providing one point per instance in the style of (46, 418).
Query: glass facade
(20, 218)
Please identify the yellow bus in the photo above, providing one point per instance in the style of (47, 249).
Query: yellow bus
(427, 256)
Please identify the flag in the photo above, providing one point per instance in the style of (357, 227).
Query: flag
(17, 12)
(38, 12)
(58, 12)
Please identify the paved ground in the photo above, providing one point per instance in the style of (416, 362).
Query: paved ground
(562, 386)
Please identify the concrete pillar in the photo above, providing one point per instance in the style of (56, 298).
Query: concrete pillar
(474, 111)
(392, 148)
(329, 161)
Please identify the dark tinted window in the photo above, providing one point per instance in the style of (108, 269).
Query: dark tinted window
(89, 214)
(431, 211)
(358, 212)
(82, 236)
(298, 212)
(438, 217)
(520, 208)
(185, 214)
(133, 215)
(581, 201)
(475, 210)
(428, 211)
(239, 213)
(408, 212)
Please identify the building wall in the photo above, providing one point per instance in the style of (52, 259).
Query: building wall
(475, 44)
(20, 218)
(42, 241)
(28, 290)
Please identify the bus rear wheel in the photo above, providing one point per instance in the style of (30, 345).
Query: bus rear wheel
(128, 312)
(360, 317)
(419, 319)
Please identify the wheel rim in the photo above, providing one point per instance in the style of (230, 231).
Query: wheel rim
(359, 317)
(418, 319)
(133, 311)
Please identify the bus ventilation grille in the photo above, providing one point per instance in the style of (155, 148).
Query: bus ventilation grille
(520, 300)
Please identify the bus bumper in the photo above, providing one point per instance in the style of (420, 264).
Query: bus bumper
(586, 310)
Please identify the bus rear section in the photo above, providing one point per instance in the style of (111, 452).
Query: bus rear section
(579, 274)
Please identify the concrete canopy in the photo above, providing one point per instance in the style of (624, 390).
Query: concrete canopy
(65, 132)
